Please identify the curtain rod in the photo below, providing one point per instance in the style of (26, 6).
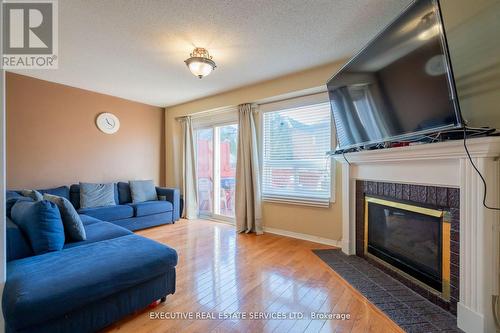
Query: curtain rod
(210, 112)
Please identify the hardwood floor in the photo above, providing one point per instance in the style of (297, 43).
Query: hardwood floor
(221, 272)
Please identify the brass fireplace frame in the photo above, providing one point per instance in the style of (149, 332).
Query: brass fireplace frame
(445, 241)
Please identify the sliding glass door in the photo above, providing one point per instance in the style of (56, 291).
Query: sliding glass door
(204, 161)
(216, 170)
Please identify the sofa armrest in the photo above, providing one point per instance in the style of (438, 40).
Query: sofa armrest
(174, 196)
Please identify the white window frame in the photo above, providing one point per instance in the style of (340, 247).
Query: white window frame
(288, 104)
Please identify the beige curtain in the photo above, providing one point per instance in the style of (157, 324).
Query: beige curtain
(248, 198)
(189, 188)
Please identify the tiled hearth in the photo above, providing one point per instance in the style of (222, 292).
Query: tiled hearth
(409, 310)
(443, 198)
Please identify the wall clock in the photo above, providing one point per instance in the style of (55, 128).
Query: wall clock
(108, 123)
(436, 65)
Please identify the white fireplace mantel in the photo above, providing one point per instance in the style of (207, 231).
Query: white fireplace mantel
(444, 164)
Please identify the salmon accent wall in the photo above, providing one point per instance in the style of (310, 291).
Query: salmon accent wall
(52, 138)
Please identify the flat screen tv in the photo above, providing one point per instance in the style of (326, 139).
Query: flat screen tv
(400, 86)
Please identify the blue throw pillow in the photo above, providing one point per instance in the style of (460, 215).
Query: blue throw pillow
(97, 195)
(61, 191)
(33, 194)
(11, 197)
(41, 221)
(72, 222)
(142, 190)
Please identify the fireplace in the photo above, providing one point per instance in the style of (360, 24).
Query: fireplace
(412, 239)
(439, 175)
(428, 218)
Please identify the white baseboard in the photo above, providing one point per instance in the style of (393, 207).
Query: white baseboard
(228, 221)
(291, 234)
(469, 321)
(346, 247)
(306, 237)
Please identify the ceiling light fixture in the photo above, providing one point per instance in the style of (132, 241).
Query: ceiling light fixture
(200, 63)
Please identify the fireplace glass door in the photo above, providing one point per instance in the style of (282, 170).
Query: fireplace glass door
(406, 237)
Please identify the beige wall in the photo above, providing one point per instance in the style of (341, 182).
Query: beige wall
(52, 138)
(321, 222)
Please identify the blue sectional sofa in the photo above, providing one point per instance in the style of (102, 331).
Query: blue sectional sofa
(89, 284)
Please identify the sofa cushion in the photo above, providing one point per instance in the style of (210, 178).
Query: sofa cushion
(80, 275)
(142, 190)
(17, 246)
(41, 222)
(143, 222)
(86, 220)
(73, 226)
(11, 197)
(97, 195)
(74, 195)
(151, 207)
(109, 213)
(124, 193)
(12, 194)
(32, 194)
(100, 231)
(61, 191)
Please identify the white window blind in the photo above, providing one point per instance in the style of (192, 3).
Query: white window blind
(295, 165)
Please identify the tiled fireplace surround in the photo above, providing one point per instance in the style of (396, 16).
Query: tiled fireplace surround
(445, 198)
(439, 172)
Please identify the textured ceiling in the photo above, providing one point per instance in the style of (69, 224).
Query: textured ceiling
(135, 48)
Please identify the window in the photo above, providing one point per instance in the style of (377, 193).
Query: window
(295, 167)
